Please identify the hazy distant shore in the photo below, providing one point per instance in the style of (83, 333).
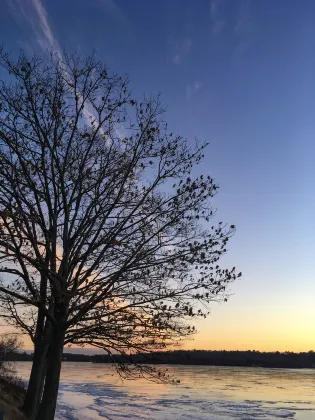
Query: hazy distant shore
(288, 360)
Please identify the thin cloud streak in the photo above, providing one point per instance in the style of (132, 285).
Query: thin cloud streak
(45, 36)
(217, 21)
(192, 89)
(46, 29)
(181, 49)
(244, 24)
(115, 11)
(244, 28)
(35, 15)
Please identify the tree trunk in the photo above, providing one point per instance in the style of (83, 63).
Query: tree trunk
(32, 396)
(41, 386)
(37, 376)
(47, 406)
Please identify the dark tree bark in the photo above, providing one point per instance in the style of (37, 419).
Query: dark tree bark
(37, 375)
(41, 342)
(48, 403)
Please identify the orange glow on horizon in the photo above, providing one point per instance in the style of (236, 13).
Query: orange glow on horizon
(236, 340)
(245, 327)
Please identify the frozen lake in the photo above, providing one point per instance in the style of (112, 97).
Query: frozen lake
(94, 391)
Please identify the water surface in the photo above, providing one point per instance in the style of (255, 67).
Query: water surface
(91, 391)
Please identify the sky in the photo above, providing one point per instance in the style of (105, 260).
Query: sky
(241, 75)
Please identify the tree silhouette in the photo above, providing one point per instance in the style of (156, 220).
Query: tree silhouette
(104, 236)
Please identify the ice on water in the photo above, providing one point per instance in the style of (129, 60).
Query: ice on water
(93, 391)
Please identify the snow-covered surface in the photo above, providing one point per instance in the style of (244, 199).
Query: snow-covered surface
(94, 392)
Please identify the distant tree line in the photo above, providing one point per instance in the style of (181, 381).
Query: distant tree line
(199, 357)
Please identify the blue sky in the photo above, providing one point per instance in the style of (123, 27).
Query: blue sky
(241, 75)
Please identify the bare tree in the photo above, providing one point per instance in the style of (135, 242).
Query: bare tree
(104, 235)
(9, 343)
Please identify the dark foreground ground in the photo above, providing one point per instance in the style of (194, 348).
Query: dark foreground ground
(11, 398)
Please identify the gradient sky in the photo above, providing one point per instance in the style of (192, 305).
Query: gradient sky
(240, 74)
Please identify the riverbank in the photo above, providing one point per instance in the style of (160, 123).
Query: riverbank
(11, 398)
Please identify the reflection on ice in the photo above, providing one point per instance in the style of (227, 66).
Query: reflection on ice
(92, 391)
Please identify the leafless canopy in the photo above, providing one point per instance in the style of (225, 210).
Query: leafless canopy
(99, 211)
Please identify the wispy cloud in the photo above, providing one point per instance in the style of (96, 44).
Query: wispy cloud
(244, 27)
(192, 89)
(218, 22)
(49, 38)
(238, 19)
(111, 7)
(34, 14)
(244, 24)
(37, 18)
(218, 26)
(180, 49)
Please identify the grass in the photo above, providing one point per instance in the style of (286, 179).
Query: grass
(12, 391)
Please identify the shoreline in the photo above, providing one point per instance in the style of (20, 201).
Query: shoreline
(11, 399)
